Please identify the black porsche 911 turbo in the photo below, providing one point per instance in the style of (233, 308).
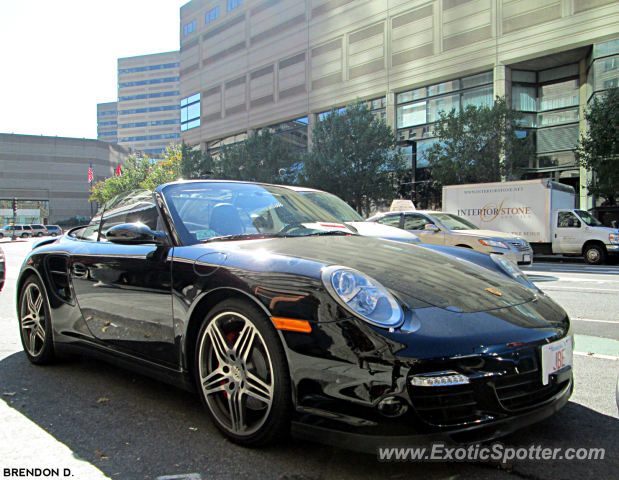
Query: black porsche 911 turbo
(286, 321)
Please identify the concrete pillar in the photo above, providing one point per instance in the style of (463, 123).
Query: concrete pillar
(586, 201)
(391, 111)
(311, 121)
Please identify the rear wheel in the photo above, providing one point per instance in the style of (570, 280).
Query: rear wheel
(39, 234)
(595, 254)
(35, 326)
(24, 235)
(243, 375)
(53, 234)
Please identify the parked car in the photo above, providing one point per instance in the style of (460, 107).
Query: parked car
(39, 230)
(286, 321)
(2, 269)
(23, 231)
(53, 230)
(440, 228)
(346, 214)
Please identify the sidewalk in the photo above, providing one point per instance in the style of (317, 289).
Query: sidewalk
(35, 453)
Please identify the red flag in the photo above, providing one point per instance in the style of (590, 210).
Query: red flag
(118, 170)
(91, 177)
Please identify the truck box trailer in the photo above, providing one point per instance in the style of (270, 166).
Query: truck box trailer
(540, 211)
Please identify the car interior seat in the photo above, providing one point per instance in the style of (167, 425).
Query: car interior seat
(225, 220)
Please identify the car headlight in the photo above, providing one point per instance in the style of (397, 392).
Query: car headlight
(613, 238)
(362, 296)
(514, 272)
(493, 243)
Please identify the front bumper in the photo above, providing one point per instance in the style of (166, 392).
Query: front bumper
(457, 436)
(520, 258)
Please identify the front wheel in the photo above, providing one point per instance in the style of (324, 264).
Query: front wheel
(35, 326)
(595, 255)
(243, 374)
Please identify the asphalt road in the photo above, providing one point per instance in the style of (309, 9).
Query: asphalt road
(132, 427)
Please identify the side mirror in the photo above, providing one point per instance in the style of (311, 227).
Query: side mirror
(431, 228)
(135, 234)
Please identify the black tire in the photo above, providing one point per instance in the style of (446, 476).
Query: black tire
(35, 325)
(39, 234)
(1, 235)
(240, 364)
(24, 235)
(53, 234)
(595, 254)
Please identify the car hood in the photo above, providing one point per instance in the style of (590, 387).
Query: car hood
(374, 229)
(421, 276)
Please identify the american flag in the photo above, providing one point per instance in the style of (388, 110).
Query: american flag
(91, 177)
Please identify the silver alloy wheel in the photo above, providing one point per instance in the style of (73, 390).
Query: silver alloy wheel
(33, 320)
(236, 373)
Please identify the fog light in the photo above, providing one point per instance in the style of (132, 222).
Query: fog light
(439, 380)
(392, 407)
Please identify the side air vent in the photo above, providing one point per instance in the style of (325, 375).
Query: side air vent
(58, 270)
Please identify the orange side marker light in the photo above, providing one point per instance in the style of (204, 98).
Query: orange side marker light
(291, 325)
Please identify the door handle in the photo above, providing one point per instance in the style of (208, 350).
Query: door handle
(80, 270)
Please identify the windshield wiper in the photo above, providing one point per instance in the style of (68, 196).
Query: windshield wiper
(329, 232)
(244, 236)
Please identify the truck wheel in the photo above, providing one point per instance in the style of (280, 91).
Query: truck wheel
(595, 254)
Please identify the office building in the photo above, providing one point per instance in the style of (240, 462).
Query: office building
(49, 176)
(280, 64)
(146, 115)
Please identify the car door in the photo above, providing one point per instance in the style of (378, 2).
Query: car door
(125, 291)
(568, 234)
(416, 223)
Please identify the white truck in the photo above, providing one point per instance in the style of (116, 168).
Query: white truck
(540, 211)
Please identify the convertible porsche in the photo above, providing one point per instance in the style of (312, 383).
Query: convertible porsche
(286, 321)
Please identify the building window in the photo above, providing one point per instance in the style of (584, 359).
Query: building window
(232, 4)
(123, 71)
(189, 27)
(378, 107)
(421, 107)
(293, 132)
(211, 15)
(190, 112)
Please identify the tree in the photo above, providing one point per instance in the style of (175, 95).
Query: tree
(479, 144)
(179, 161)
(354, 156)
(263, 157)
(598, 150)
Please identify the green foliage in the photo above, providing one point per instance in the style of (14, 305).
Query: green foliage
(178, 161)
(260, 158)
(354, 157)
(478, 145)
(598, 150)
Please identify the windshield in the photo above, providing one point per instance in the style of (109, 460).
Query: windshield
(589, 219)
(454, 222)
(214, 211)
(334, 205)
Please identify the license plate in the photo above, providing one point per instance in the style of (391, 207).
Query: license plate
(555, 357)
(527, 258)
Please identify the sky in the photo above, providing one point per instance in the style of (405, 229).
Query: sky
(58, 58)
